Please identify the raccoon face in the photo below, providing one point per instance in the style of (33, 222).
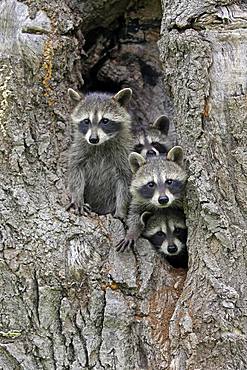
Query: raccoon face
(159, 183)
(167, 232)
(153, 141)
(161, 190)
(100, 117)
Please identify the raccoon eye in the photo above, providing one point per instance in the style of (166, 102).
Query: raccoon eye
(150, 184)
(178, 231)
(104, 121)
(160, 233)
(160, 147)
(138, 148)
(169, 181)
(86, 121)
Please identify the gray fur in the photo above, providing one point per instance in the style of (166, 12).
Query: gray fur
(99, 175)
(157, 167)
(171, 223)
(157, 132)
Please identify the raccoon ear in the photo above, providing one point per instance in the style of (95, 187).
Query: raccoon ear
(136, 160)
(162, 123)
(176, 155)
(145, 217)
(74, 95)
(123, 96)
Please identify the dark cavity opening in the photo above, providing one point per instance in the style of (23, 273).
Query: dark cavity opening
(123, 52)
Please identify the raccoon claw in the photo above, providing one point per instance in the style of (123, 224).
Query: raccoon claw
(125, 244)
(86, 208)
(79, 210)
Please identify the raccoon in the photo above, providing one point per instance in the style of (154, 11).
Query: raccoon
(156, 184)
(99, 173)
(167, 233)
(154, 139)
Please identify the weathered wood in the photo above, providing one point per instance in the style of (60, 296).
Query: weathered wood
(204, 53)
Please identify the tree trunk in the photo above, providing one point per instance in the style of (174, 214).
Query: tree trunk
(68, 299)
(204, 53)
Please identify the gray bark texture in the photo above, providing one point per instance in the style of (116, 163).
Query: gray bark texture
(204, 53)
(68, 300)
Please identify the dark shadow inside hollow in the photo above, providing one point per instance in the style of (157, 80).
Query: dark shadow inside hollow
(125, 54)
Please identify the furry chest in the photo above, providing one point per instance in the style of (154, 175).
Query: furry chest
(100, 184)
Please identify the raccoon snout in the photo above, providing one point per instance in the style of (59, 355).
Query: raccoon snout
(163, 199)
(151, 152)
(172, 248)
(94, 139)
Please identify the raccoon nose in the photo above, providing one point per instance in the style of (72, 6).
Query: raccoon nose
(172, 248)
(94, 139)
(151, 152)
(163, 199)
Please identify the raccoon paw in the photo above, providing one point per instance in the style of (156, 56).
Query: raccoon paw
(80, 210)
(86, 208)
(125, 244)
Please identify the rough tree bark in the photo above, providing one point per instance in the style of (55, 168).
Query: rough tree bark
(67, 299)
(204, 53)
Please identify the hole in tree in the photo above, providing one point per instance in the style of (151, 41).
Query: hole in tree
(125, 54)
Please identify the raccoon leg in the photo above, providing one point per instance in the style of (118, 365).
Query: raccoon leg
(122, 199)
(135, 228)
(76, 185)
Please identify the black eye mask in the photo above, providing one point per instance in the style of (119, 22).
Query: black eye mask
(109, 127)
(176, 186)
(138, 148)
(160, 147)
(157, 239)
(84, 125)
(147, 191)
(181, 234)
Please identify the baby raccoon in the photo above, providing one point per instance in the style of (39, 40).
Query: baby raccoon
(156, 184)
(99, 172)
(167, 233)
(154, 139)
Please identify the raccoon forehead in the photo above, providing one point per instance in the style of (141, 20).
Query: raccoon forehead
(103, 103)
(171, 170)
(139, 181)
(98, 102)
(140, 138)
(160, 167)
(174, 223)
(153, 138)
(174, 175)
(154, 227)
(80, 115)
(112, 116)
(155, 135)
